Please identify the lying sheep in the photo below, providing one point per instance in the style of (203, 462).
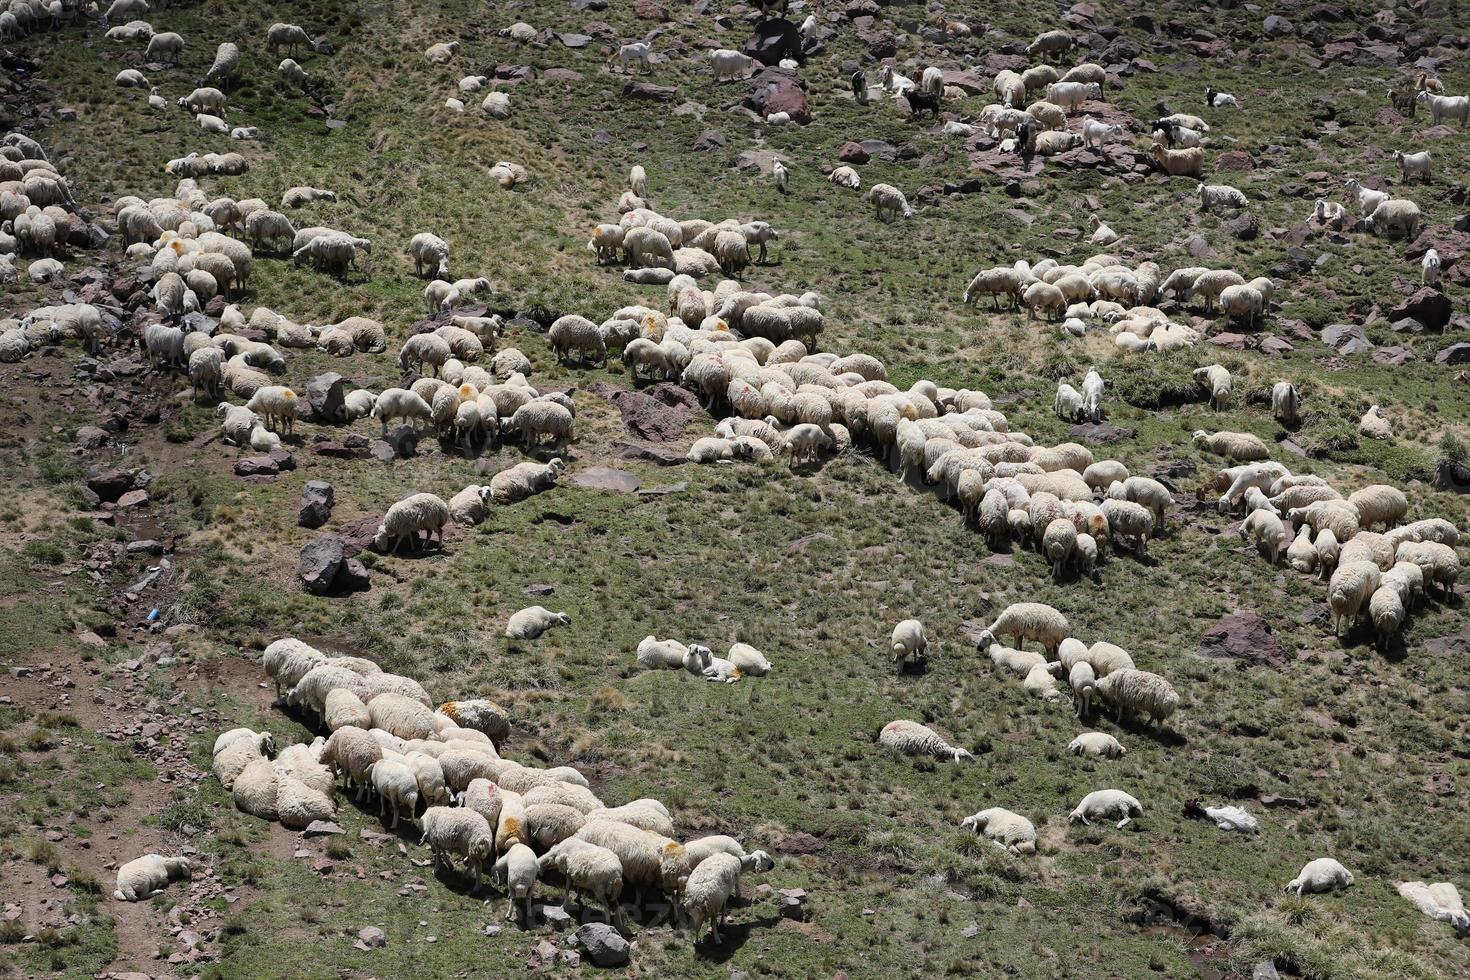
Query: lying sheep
(1219, 196)
(148, 875)
(1106, 804)
(1320, 875)
(1440, 901)
(912, 738)
(531, 622)
(1239, 446)
(1099, 744)
(1004, 828)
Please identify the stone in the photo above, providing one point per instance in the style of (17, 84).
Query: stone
(256, 466)
(799, 842)
(110, 484)
(1234, 161)
(1232, 341)
(607, 478)
(324, 395)
(1265, 970)
(316, 504)
(658, 413)
(1101, 432)
(1243, 635)
(777, 90)
(1346, 338)
(133, 498)
(91, 437)
(147, 545)
(1393, 356)
(649, 10)
(648, 92)
(1243, 226)
(1458, 353)
(658, 455)
(1452, 645)
(709, 140)
(543, 954)
(319, 562)
(1429, 306)
(353, 576)
(556, 917)
(793, 904)
(602, 944)
(1278, 26)
(382, 451)
(853, 153)
(372, 937)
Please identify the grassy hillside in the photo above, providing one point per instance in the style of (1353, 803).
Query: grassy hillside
(812, 566)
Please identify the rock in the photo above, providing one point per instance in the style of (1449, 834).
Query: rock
(1265, 970)
(1243, 635)
(110, 484)
(91, 437)
(1277, 26)
(1407, 325)
(1453, 645)
(324, 395)
(607, 478)
(774, 40)
(556, 917)
(256, 466)
(602, 944)
(658, 455)
(793, 904)
(648, 10)
(1243, 226)
(133, 498)
(1275, 346)
(1101, 432)
(1234, 161)
(1393, 355)
(1429, 306)
(371, 937)
(1441, 783)
(1458, 353)
(776, 90)
(708, 141)
(543, 954)
(145, 546)
(572, 41)
(316, 504)
(319, 563)
(382, 451)
(322, 828)
(800, 842)
(658, 413)
(648, 92)
(1233, 341)
(853, 153)
(1346, 338)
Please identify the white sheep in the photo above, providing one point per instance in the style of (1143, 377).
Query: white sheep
(1232, 818)
(1445, 106)
(148, 875)
(908, 642)
(1440, 901)
(429, 252)
(458, 831)
(1133, 691)
(1106, 804)
(650, 860)
(638, 52)
(406, 518)
(531, 622)
(1320, 875)
(1374, 425)
(1096, 133)
(888, 200)
(1395, 216)
(748, 660)
(1006, 829)
(730, 65)
(1099, 744)
(1027, 621)
(1429, 268)
(1266, 530)
(595, 872)
(912, 738)
(781, 177)
(517, 870)
(709, 889)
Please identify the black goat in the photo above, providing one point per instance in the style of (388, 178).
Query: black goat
(922, 101)
(860, 86)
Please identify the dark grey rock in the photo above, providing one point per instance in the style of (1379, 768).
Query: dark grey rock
(324, 395)
(317, 498)
(602, 944)
(320, 561)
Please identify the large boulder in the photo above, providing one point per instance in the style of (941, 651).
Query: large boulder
(774, 40)
(602, 943)
(776, 90)
(316, 504)
(1429, 306)
(324, 394)
(1243, 635)
(320, 561)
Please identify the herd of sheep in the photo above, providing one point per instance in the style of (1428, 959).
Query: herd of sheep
(753, 358)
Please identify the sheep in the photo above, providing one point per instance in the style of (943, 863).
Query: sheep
(1027, 621)
(1050, 144)
(1083, 681)
(1412, 165)
(1429, 268)
(1267, 531)
(1445, 107)
(1219, 196)
(1004, 828)
(730, 65)
(531, 622)
(1101, 233)
(780, 176)
(1395, 216)
(148, 875)
(1071, 95)
(537, 419)
(912, 738)
(1286, 403)
(1439, 563)
(1374, 425)
(1039, 683)
(1179, 163)
(595, 872)
(748, 660)
(1044, 298)
(204, 99)
(401, 715)
(645, 247)
(277, 404)
(577, 334)
(636, 53)
(1349, 589)
(164, 48)
(649, 859)
(1133, 691)
(1386, 612)
(710, 885)
(406, 518)
(524, 480)
(845, 176)
(804, 442)
(399, 403)
(1220, 100)
(908, 642)
(1320, 875)
(1239, 446)
(289, 36)
(396, 786)
(257, 790)
(1098, 744)
(1050, 43)
(1379, 504)
(887, 199)
(996, 282)
(458, 831)
(1328, 213)
(1129, 522)
(1440, 901)
(1105, 804)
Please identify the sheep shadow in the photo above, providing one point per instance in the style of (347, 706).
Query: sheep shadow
(734, 936)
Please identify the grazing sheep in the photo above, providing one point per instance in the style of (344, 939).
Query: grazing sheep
(406, 518)
(1349, 589)
(1050, 44)
(531, 622)
(458, 831)
(1286, 403)
(710, 886)
(1395, 216)
(1240, 446)
(997, 282)
(630, 54)
(148, 875)
(1098, 744)
(577, 334)
(289, 36)
(1106, 804)
(908, 642)
(1266, 531)
(1321, 875)
(1027, 621)
(730, 65)
(1004, 828)
(1133, 691)
(912, 738)
(517, 870)
(887, 199)
(1043, 297)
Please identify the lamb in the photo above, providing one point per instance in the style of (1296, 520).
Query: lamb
(1101, 233)
(1267, 531)
(1133, 691)
(1099, 744)
(887, 199)
(1050, 144)
(711, 884)
(1219, 100)
(1321, 875)
(1440, 901)
(531, 622)
(1395, 216)
(458, 831)
(595, 872)
(577, 334)
(1027, 621)
(912, 738)
(148, 875)
(1328, 213)
(1006, 829)
(1067, 404)
(406, 518)
(1106, 804)
(908, 642)
(277, 404)
(1429, 268)
(1239, 446)
(1083, 681)
(1374, 425)
(635, 53)
(1302, 555)
(1445, 107)
(1412, 165)
(1179, 163)
(1096, 133)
